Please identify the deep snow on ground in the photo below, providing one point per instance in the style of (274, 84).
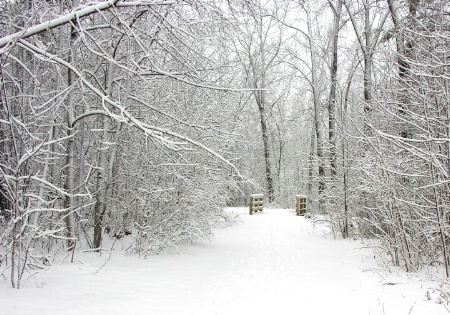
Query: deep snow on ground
(271, 263)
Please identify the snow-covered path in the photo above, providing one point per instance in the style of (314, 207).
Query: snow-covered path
(271, 263)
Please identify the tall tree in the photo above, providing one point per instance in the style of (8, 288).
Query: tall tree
(260, 56)
(332, 98)
(368, 38)
(316, 105)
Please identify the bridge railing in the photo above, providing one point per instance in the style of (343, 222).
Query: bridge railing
(256, 203)
(301, 204)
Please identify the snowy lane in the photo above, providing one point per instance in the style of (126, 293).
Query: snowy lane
(279, 265)
(271, 263)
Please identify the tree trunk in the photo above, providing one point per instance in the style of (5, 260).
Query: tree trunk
(69, 162)
(367, 58)
(312, 151)
(265, 138)
(263, 118)
(316, 104)
(332, 98)
(404, 50)
(49, 168)
(367, 39)
(104, 176)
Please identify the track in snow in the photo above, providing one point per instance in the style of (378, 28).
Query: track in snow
(278, 264)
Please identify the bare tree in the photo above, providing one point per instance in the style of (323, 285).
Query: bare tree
(332, 99)
(368, 37)
(260, 56)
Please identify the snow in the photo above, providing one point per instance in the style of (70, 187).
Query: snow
(271, 263)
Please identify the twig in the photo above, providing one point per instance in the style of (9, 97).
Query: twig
(73, 251)
(410, 310)
(109, 257)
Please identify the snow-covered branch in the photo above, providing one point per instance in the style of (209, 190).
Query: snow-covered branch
(65, 19)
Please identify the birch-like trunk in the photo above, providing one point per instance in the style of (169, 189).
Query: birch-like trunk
(70, 158)
(102, 174)
(105, 173)
(47, 167)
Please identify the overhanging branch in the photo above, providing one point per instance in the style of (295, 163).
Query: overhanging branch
(45, 26)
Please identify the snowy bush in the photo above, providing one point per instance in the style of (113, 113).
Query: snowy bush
(175, 216)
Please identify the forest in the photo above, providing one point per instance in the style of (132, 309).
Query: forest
(148, 117)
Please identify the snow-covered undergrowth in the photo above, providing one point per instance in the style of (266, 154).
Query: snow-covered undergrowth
(183, 227)
(271, 263)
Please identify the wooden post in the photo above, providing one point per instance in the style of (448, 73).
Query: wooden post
(256, 203)
(301, 202)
